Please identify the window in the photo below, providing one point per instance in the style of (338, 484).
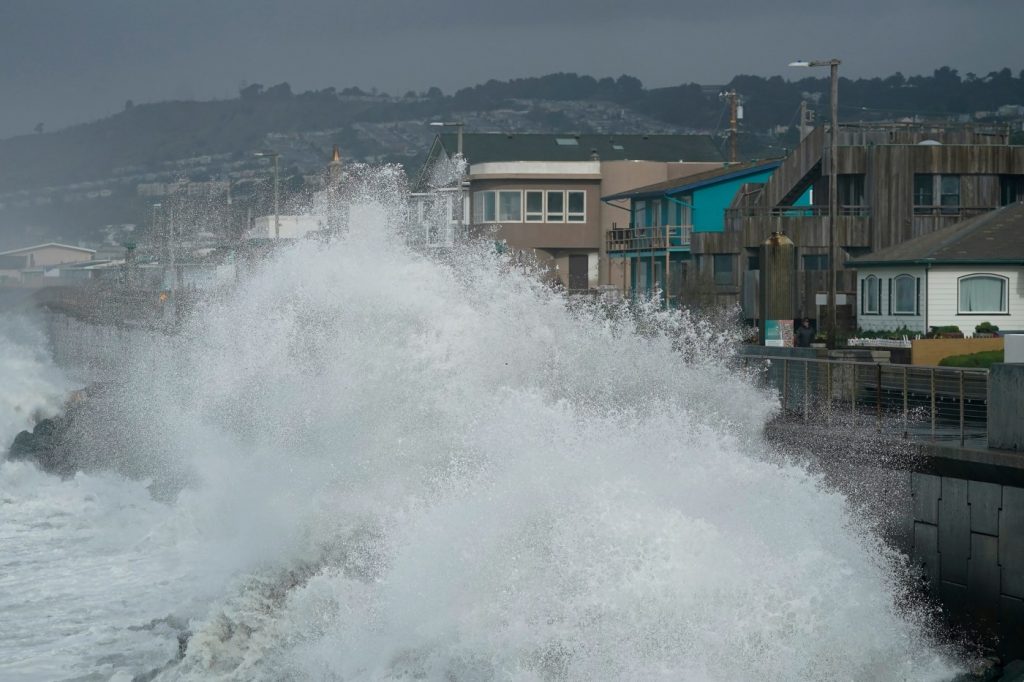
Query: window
(851, 189)
(1011, 189)
(816, 261)
(534, 207)
(723, 269)
(870, 295)
(924, 195)
(484, 209)
(577, 207)
(949, 198)
(510, 206)
(567, 141)
(904, 295)
(556, 207)
(982, 294)
(932, 191)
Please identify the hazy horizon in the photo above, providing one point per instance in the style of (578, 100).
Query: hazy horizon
(73, 62)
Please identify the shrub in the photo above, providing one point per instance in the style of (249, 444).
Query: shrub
(983, 359)
(986, 327)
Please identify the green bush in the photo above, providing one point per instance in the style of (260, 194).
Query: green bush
(897, 334)
(986, 327)
(983, 359)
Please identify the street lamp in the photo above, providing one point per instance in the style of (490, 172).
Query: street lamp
(458, 125)
(833, 188)
(277, 217)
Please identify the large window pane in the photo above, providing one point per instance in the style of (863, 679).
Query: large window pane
(950, 193)
(577, 207)
(510, 206)
(535, 207)
(723, 269)
(924, 192)
(556, 207)
(869, 292)
(483, 207)
(904, 295)
(982, 294)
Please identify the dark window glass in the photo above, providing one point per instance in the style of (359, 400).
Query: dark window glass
(723, 269)
(816, 261)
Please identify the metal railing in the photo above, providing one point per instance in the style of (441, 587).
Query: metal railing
(648, 238)
(795, 212)
(930, 403)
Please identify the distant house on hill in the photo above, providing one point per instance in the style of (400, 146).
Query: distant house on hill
(541, 193)
(964, 274)
(27, 264)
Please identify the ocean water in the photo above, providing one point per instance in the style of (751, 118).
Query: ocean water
(367, 463)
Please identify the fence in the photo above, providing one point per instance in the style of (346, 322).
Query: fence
(930, 403)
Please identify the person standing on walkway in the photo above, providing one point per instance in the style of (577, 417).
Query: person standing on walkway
(804, 334)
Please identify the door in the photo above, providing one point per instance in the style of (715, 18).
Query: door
(579, 272)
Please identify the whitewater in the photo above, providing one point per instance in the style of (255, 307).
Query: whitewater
(370, 463)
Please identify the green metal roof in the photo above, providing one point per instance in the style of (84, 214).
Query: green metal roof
(490, 147)
(995, 238)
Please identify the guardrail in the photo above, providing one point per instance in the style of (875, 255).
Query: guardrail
(648, 238)
(931, 403)
(795, 212)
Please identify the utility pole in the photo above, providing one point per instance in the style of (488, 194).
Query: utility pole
(833, 188)
(277, 215)
(734, 122)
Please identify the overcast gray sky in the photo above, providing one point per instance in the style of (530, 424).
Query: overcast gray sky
(67, 61)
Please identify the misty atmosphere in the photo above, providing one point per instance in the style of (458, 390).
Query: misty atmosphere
(550, 342)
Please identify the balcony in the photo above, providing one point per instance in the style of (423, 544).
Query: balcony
(648, 238)
(795, 212)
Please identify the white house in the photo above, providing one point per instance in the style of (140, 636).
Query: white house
(964, 274)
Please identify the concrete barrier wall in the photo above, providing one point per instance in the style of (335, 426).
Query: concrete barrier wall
(930, 351)
(1006, 407)
(968, 538)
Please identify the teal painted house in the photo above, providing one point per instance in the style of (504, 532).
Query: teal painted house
(664, 217)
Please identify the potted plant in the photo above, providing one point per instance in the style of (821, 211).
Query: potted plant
(820, 340)
(986, 330)
(949, 331)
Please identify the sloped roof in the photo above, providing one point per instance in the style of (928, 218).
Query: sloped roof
(691, 182)
(996, 237)
(491, 147)
(26, 249)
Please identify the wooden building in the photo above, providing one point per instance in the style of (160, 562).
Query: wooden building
(895, 183)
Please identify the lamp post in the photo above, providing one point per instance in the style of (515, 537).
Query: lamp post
(833, 187)
(277, 216)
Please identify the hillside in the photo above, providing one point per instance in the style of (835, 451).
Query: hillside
(70, 183)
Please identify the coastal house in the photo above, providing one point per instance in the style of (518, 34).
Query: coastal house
(963, 274)
(28, 265)
(541, 193)
(664, 220)
(895, 183)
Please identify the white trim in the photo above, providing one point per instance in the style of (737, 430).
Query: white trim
(560, 168)
(1005, 303)
(526, 205)
(43, 246)
(570, 214)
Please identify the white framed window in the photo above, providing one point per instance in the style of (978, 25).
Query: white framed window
(510, 206)
(556, 207)
(904, 295)
(870, 295)
(982, 294)
(484, 207)
(534, 206)
(577, 201)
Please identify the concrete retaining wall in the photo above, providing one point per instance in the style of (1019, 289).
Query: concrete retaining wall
(968, 537)
(1006, 407)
